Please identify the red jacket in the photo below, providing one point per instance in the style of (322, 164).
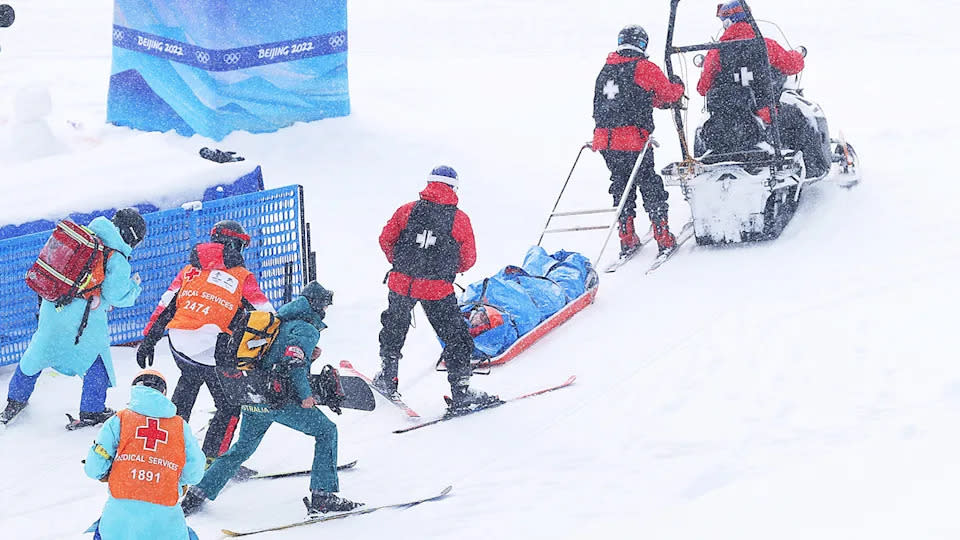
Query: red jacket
(427, 289)
(787, 62)
(649, 77)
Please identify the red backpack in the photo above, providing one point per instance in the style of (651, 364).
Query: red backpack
(72, 264)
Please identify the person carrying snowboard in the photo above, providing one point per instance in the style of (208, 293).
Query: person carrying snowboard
(201, 302)
(74, 339)
(429, 242)
(626, 91)
(289, 356)
(147, 455)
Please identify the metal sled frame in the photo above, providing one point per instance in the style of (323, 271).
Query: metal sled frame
(618, 211)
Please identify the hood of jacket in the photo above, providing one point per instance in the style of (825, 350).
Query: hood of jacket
(440, 193)
(215, 256)
(740, 30)
(299, 310)
(109, 234)
(622, 57)
(149, 402)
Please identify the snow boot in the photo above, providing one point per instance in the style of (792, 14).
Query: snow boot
(629, 241)
(88, 419)
(663, 236)
(193, 501)
(321, 502)
(464, 399)
(13, 409)
(386, 381)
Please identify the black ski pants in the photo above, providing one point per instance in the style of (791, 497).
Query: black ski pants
(446, 320)
(224, 423)
(648, 182)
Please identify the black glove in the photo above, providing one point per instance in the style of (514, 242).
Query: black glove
(329, 389)
(145, 354)
(675, 79)
(219, 156)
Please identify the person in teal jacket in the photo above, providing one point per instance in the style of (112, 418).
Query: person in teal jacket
(291, 353)
(54, 345)
(132, 519)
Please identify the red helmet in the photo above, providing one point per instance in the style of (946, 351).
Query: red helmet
(229, 232)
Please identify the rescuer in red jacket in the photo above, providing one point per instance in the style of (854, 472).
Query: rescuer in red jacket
(628, 88)
(734, 19)
(429, 242)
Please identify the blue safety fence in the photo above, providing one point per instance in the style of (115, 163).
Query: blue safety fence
(278, 255)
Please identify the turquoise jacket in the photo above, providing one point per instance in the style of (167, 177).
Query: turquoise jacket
(299, 331)
(124, 518)
(53, 343)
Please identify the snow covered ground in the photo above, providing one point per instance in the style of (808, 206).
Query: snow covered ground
(799, 388)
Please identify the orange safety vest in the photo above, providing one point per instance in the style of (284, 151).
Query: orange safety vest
(149, 460)
(209, 297)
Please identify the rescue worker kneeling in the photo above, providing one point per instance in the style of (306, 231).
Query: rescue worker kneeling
(148, 456)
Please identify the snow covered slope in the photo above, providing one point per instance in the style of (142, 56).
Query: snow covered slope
(800, 388)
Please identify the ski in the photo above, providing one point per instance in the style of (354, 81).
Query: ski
(288, 474)
(350, 370)
(686, 233)
(450, 416)
(341, 515)
(624, 259)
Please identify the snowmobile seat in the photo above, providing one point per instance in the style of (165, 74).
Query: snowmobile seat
(752, 156)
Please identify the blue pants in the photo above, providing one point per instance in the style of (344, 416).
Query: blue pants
(95, 383)
(254, 423)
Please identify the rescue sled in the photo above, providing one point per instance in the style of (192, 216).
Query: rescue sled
(751, 193)
(538, 333)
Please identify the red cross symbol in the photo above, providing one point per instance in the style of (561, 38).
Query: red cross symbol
(152, 434)
(191, 273)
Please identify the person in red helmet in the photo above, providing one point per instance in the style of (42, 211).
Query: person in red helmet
(628, 88)
(200, 304)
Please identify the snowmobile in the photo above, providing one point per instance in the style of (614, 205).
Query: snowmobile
(743, 181)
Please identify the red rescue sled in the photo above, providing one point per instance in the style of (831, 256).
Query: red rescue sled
(533, 336)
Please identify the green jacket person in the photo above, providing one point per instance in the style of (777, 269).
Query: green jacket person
(290, 354)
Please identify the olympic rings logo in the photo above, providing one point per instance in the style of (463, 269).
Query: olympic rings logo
(117, 35)
(337, 40)
(231, 58)
(203, 57)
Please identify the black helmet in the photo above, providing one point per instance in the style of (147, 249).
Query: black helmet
(318, 297)
(152, 379)
(633, 38)
(133, 229)
(230, 232)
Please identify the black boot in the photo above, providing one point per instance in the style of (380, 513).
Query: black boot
(321, 502)
(464, 399)
(13, 408)
(386, 381)
(88, 419)
(193, 501)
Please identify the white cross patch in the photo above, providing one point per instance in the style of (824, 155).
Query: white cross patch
(745, 77)
(611, 89)
(426, 239)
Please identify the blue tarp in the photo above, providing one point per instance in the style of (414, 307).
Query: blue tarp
(211, 67)
(506, 306)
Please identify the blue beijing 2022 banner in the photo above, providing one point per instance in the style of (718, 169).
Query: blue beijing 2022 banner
(216, 66)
